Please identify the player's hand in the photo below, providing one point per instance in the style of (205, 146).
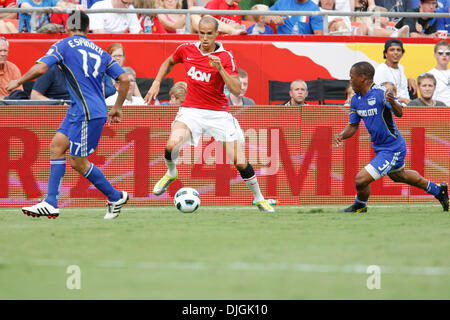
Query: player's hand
(215, 62)
(337, 140)
(152, 92)
(13, 84)
(390, 97)
(114, 115)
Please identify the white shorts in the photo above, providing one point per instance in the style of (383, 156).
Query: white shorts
(220, 125)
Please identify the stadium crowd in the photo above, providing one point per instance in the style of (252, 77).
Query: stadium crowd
(390, 73)
(52, 21)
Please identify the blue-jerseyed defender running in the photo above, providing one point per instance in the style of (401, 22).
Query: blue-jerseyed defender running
(376, 107)
(83, 64)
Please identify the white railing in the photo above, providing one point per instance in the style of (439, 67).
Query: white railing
(189, 12)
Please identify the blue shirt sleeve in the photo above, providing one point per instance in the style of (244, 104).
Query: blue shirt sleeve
(354, 117)
(113, 69)
(53, 55)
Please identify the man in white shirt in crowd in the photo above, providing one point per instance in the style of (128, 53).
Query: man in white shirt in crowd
(130, 100)
(441, 72)
(392, 71)
(114, 22)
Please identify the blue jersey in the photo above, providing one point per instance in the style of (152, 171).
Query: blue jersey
(83, 64)
(377, 115)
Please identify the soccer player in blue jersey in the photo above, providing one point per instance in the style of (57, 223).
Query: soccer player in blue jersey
(376, 106)
(83, 64)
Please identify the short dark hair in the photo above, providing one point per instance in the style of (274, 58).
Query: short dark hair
(78, 21)
(364, 68)
(209, 19)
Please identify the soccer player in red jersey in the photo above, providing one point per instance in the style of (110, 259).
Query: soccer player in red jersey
(205, 110)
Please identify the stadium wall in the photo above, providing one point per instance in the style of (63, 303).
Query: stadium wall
(281, 58)
(289, 147)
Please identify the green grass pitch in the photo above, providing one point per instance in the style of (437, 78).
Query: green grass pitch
(298, 252)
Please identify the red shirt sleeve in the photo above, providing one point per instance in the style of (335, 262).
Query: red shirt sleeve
(178, 54)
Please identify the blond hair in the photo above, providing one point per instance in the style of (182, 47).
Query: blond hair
(178, 90)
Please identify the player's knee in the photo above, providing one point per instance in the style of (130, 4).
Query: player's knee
(361, 182)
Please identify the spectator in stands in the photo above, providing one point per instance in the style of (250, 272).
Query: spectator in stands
(443, 23)
(363, 5)
(114, 22)
(131, 99)
(379, 26)
(304, 24)
(241, 100)
(441, 72)
(145, 19)
(298, 93)
(51, 85)
(5, 25)
(170, 23)
(249, 4)
(42, 18)
(230, 24)
(427, 86)
(117, 52)
(349, 92)
(60, 19)
(336, 24)
(421, 27)
(8, 70)
(392, 71)
(260, 26)
(177, 94)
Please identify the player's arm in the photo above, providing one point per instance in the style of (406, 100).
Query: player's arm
(115, 115)
(164, 70)
(35, 71)
(397, 108)
(348, 132)
(232, 81)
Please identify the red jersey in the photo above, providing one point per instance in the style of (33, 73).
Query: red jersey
(204, 82)
(223, 5)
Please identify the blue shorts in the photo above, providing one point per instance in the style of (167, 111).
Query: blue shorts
(64, 127)
(386, 162)
(84, 136)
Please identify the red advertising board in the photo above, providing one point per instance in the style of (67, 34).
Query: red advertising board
(289, 147)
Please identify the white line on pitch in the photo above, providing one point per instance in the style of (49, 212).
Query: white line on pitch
(242, 266)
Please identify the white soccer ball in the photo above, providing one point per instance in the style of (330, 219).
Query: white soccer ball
(187, 200)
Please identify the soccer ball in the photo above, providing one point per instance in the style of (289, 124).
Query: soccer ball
(187, 200)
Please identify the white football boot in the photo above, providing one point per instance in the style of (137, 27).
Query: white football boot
(41, 209)
(113, 208)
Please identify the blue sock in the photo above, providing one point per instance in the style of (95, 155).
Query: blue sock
(358, 203)
(98, 179)
(57, 171)
(432, 188)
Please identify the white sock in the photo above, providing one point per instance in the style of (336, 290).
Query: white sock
(171, 168)
(252, 183)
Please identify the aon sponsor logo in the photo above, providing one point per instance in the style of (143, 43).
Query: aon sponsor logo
(198, 75)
